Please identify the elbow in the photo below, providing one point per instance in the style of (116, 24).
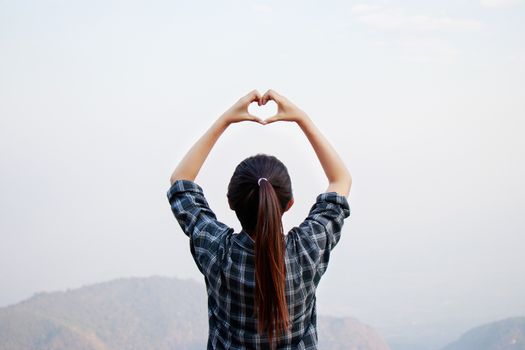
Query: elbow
(348, 179)
(180, 176)
(173, 179)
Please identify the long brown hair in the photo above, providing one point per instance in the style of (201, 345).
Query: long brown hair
(259, 208)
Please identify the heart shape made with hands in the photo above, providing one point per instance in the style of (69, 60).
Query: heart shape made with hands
(264, 111)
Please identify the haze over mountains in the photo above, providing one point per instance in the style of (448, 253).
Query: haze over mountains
(169, 313)
(139, 313)
(507, 334)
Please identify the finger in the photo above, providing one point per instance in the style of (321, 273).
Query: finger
(251, 117)
(272, 119)
(252, 96)
(258, 97)
(271, 95)
(265, 97)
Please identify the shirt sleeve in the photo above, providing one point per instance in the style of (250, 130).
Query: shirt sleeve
(198, 222)
(320, 231)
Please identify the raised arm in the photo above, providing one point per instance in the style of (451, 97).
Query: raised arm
(339, 178)
(192, 162)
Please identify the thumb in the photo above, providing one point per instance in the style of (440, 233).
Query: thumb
(272, 119)
(251, 117)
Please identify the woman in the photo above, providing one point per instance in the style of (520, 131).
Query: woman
(261, 284)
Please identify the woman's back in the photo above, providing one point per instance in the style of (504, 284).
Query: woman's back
(227, 260)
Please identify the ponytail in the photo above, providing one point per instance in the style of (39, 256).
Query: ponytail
(270, 268)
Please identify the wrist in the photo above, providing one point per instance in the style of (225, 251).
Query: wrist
(303, 119)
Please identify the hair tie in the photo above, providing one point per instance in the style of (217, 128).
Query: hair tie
(259, 181)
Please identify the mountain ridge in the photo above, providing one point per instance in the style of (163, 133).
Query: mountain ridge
(153, 312)
(503, 334)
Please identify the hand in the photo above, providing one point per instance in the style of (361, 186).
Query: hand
(286, 110)
(239, 111)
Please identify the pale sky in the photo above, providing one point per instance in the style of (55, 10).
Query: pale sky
(424, 101)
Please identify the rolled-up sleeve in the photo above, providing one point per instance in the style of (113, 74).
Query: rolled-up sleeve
(321, 229)
(198, 222)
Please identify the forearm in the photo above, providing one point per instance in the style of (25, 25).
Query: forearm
(192, 162)
(332, 164)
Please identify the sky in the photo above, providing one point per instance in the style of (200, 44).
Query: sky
(424, 102)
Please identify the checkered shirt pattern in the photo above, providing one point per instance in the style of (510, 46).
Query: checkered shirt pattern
(226, 259)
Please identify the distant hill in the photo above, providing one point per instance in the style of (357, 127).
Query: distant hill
(347, 334)
(139, 313)
(507, 334)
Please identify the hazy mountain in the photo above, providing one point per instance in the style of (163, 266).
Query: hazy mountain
(139, 313)
(507, 334)
(348, 334)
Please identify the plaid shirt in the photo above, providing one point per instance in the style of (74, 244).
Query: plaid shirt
(226, 259)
